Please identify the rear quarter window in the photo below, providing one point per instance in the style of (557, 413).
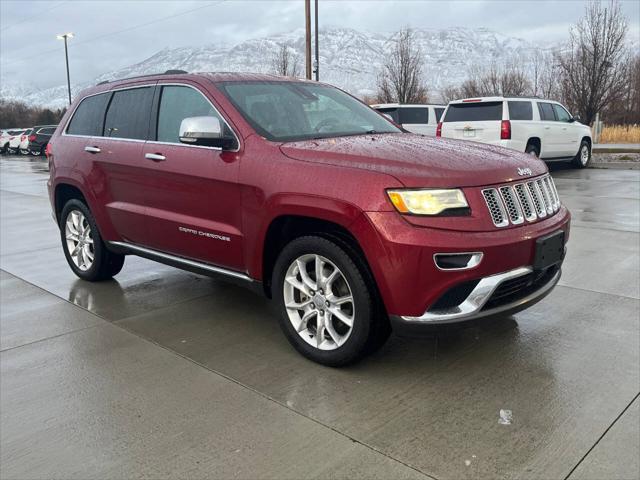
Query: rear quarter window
(413, 115)
(474, 112)
(520, 110)
(88, 118)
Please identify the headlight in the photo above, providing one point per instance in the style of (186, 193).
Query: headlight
(427, 202)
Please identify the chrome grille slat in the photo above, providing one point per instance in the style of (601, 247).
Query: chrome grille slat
(528, 201)
(528, 208)
(512, 205)
(545, 195)
(496, 207)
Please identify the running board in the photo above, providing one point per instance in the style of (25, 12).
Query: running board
(175, 261)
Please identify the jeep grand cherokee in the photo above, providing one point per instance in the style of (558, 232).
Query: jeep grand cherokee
(351, 225)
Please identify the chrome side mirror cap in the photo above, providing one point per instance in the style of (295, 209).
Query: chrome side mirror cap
(206, 131)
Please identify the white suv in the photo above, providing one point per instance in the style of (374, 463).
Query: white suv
(543, 128)
(421, 119)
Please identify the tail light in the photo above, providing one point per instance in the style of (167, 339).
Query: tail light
(439, 129)
(505, 130)
(48, 151)
(32, 138)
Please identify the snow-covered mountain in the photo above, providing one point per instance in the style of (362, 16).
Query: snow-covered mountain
(349, 58)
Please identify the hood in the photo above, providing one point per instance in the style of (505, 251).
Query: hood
(419, 161)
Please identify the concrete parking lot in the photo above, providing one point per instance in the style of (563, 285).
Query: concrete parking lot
(163, 373)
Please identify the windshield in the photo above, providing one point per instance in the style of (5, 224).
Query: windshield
(287, 111)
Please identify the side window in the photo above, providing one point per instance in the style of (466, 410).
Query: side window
(392, 112)
(129, 113)
(89, 116)
(546, 112)
(520, 110)
(413, 115)
(439, 112)
(561, 114)
(47, 131)
(178, 103)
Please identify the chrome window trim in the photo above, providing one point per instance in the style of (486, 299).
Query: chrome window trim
(156, 84)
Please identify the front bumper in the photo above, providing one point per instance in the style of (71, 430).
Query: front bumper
(412, 287)
(478, 303)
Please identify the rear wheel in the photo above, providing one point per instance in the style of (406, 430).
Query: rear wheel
(328, 312)
(583, 158)
(532, 149)
(83, 246)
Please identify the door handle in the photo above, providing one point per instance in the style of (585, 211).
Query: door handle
(91, 149)
(547, 128)
(156, 157)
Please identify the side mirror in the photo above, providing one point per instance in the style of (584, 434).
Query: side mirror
(205, 131)
(389, 117)
(574, 119)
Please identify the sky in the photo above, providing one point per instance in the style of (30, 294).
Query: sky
(117, 33)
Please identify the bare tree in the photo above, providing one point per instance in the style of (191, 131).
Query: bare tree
(285, 63)
(594, 65)
(401, 77)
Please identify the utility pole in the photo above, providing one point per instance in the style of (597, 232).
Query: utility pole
(317, 64)
(64, 37)
(307, 49)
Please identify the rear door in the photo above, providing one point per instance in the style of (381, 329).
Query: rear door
(192, 192)
(477, 121)
(416, 120)
(119, 160)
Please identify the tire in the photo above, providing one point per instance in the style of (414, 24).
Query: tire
(35, 153)
(74, 221)
(341, 344)
(583, 157)
(532, 149)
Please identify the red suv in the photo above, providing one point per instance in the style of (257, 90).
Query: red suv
(351, 225)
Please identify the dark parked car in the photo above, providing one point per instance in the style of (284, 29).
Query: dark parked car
(39, 138)
(301, 190)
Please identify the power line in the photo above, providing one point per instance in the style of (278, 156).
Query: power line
(27, 19)
(117, 32)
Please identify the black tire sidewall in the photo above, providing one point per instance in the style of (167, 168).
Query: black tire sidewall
(356, 345)
(100, 254)
(577, 161)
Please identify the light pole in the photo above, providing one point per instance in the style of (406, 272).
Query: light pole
(64, 37)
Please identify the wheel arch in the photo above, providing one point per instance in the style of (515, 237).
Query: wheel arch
(535, 141)
(286, 227)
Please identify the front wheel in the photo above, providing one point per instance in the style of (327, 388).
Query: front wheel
(583, 158)
(83, 246)
(327, 308)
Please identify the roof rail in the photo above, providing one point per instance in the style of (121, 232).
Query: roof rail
(174, 72)
(168, 72)
(102, 82)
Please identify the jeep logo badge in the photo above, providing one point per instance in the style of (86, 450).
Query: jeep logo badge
(524, 172)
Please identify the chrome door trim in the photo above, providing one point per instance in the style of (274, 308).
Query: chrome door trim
(150, 253)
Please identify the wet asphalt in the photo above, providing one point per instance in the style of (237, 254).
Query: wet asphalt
(163, 373)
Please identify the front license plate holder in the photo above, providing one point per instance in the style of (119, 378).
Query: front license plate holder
(549, 250)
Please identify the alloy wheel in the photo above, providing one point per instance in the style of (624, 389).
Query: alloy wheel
(319, 302)
(79, 240)
(584, 154)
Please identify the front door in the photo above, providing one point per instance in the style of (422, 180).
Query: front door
(191, 192)
(569, 141)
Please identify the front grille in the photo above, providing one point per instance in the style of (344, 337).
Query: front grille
(512, 290)
(513, 204)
